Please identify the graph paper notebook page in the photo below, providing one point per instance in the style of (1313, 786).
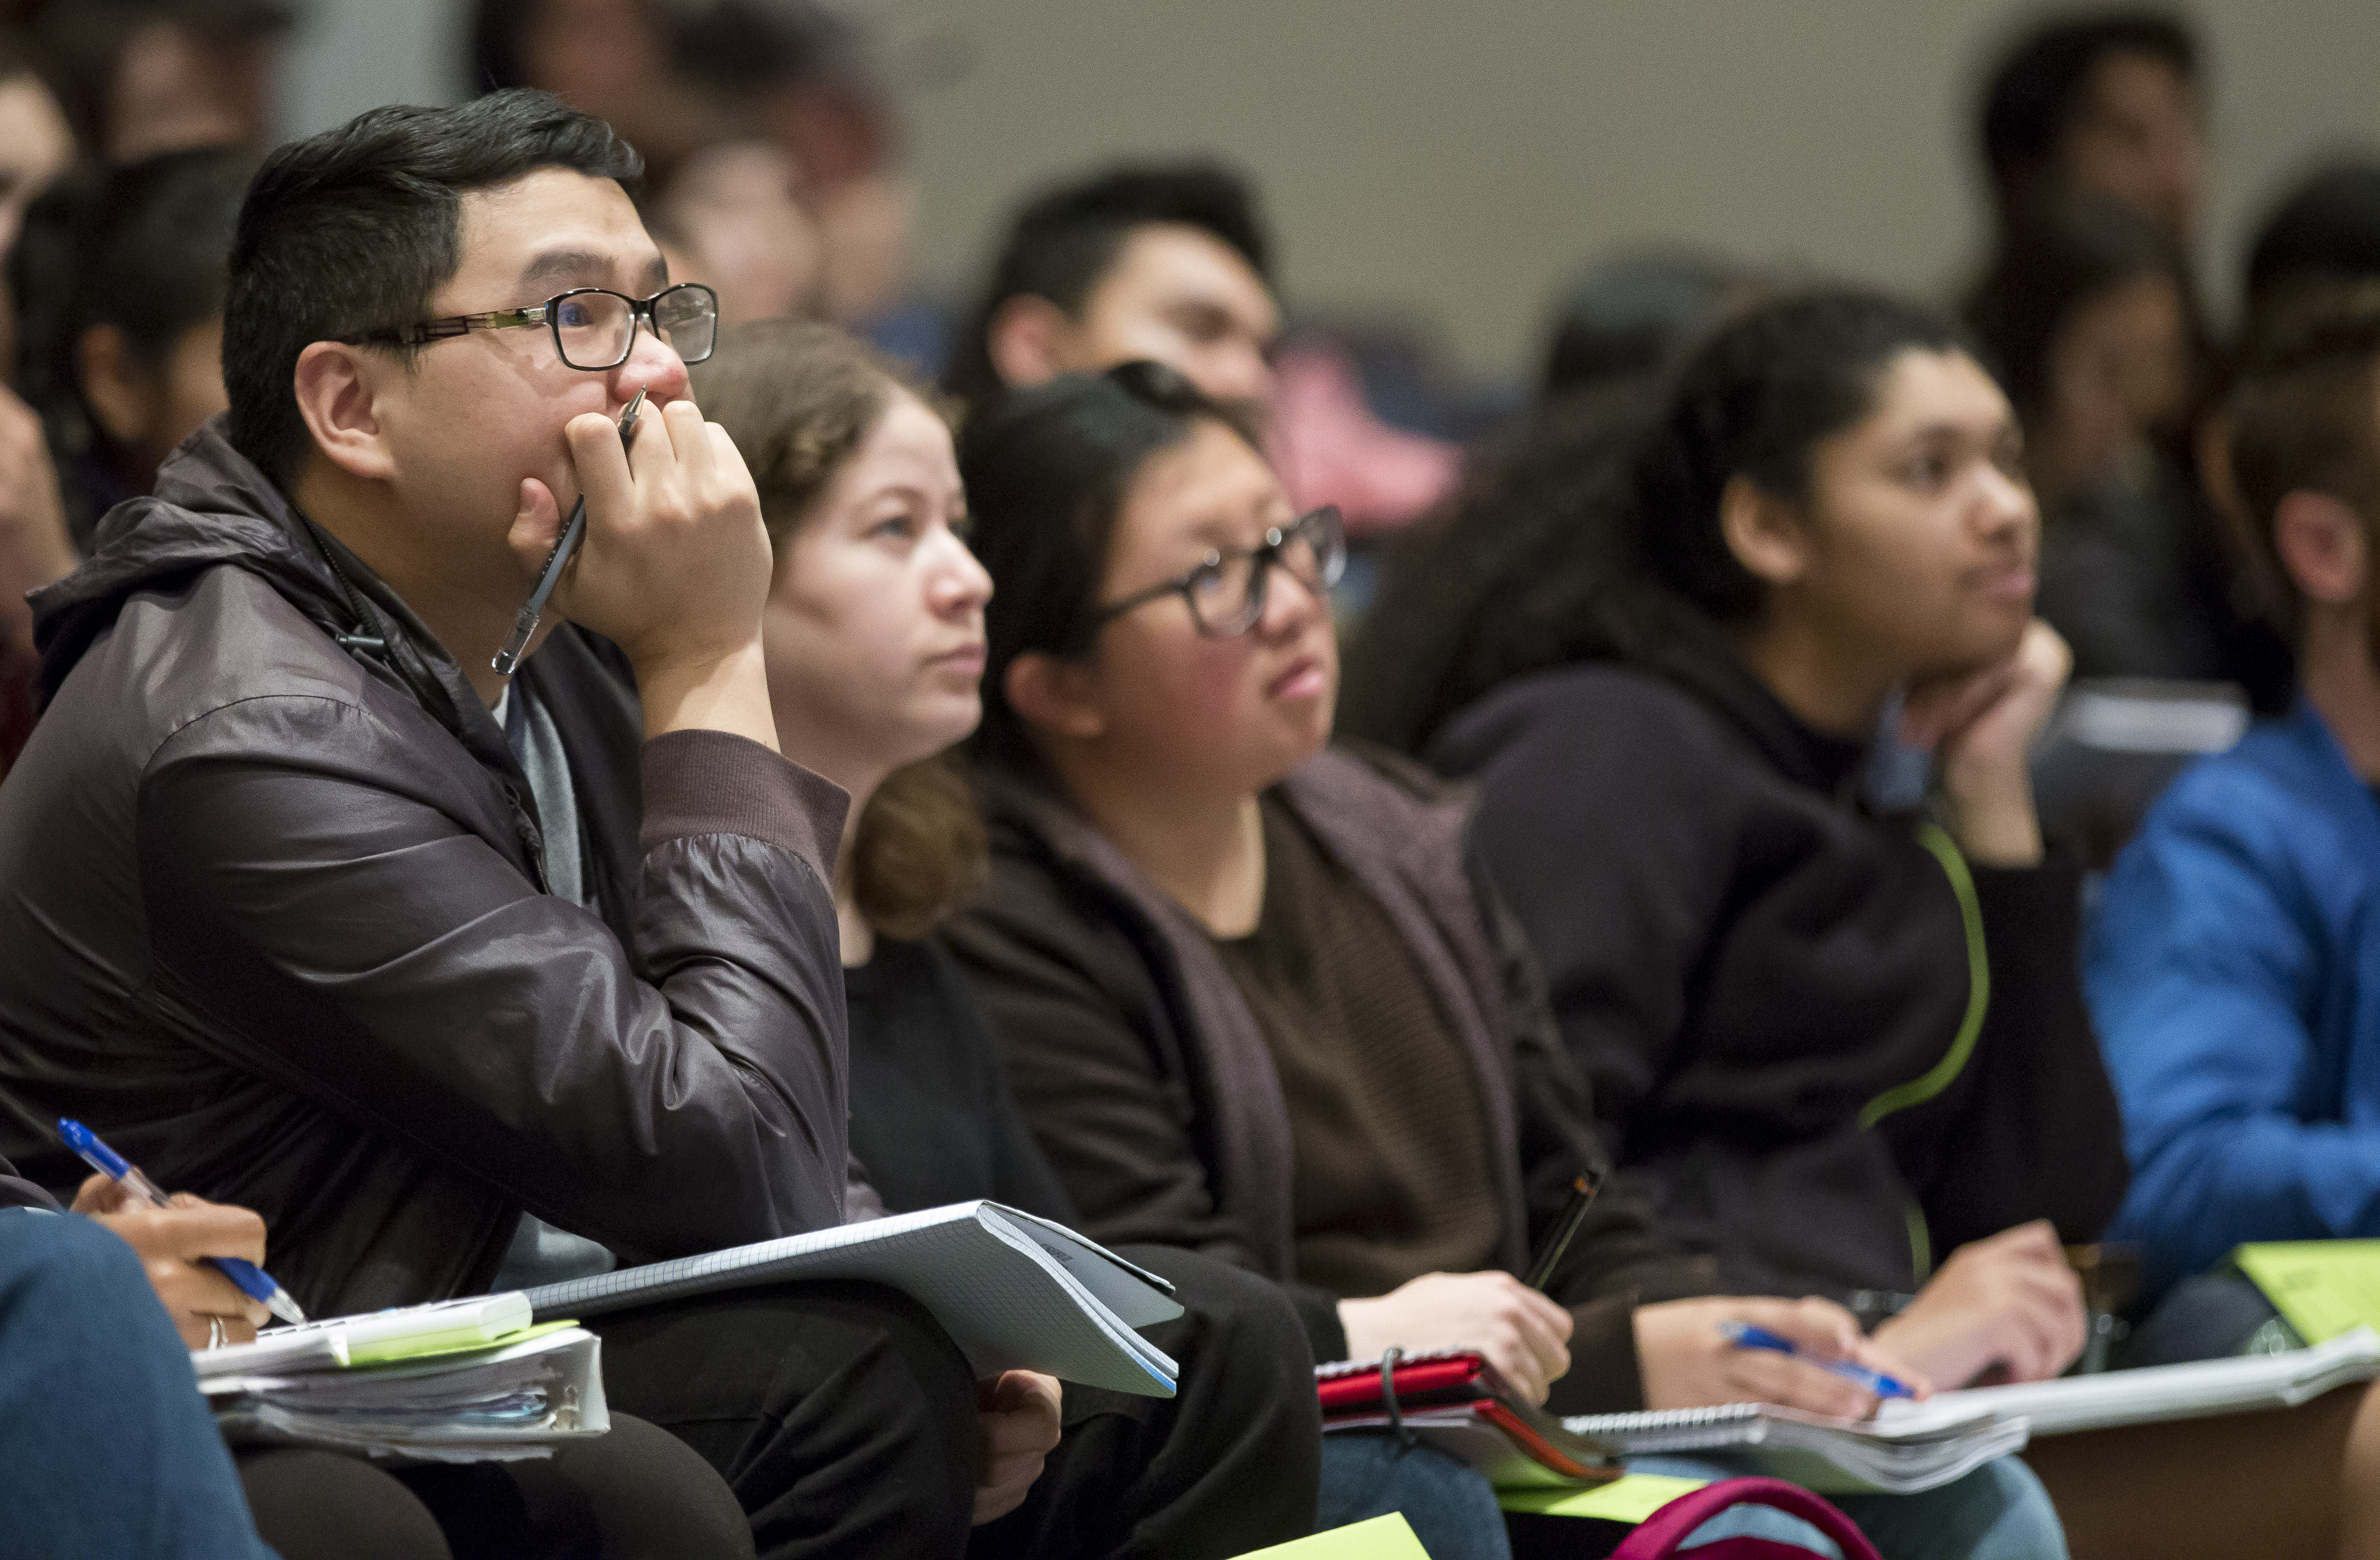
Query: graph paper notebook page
(1014, 1292)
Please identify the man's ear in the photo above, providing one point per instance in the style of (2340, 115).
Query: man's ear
(121, 395)
(2321, 540)
(1766, 533)
(1053, 696)
(1026, 339)
(337, 395)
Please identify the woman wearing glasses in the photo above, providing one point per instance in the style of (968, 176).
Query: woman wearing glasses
(1254, 999)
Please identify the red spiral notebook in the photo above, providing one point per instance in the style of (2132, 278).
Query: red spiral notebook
(1456, 1401)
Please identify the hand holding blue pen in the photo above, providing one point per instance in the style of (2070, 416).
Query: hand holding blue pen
(253, 1280)
(1744, 1334)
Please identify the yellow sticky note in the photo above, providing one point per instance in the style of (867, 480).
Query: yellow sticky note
(2325, 1287)
(1382, 1537)
(1631, 1498)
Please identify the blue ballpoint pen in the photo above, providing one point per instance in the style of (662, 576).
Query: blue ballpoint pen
(253, 1281)
(1744, 1334)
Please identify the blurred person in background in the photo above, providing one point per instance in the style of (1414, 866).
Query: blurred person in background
(2100, 102)
(810, 81)
(734, 212)
(122, 280)
(2232, 964)
(1171, 263)
(2323, 231)
(2085, 315)
(1629, 316)
(140, 77)
(36, 147)
(1166, 263)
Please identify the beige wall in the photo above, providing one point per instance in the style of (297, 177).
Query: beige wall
(1459, 159)
(1463, 158)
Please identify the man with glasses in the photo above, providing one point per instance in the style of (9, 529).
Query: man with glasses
(306, 907)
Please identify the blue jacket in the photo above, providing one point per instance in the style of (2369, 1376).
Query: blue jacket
(2234, 968)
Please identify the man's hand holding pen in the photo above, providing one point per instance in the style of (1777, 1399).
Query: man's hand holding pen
(674, 567)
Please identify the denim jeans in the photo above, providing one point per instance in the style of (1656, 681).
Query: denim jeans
(1448, 1504)
(107, 1447)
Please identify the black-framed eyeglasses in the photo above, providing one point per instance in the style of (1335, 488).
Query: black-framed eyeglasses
(1226, 590)
(594, 328)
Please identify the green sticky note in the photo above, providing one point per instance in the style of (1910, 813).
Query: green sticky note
(1630, 1498)
(2325, 1287)
(1382, 1537)
(433, 1344)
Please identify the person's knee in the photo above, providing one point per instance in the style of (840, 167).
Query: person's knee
(313, 1505)
(75, 1271)
(1240, 1319)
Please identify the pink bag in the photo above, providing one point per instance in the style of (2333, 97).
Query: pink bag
(1658, 1536)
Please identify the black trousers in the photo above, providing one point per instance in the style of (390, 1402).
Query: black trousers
(1230, 1463)
(637, 1493)
(843, 1417)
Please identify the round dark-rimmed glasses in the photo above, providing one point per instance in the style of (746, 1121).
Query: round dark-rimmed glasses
(1226, 590)
(594, 328)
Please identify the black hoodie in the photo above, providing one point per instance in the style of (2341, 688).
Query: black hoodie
(1827, 1047)
(272, 922)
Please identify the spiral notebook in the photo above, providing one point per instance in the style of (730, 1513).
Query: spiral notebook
(1014, 1292)
(1830, 1456)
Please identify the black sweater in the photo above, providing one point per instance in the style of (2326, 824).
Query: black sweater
(933, 1119)
(1771, 990)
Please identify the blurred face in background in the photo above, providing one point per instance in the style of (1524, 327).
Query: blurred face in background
(35, 148)
(750, 239)
(2118, 370)
(147, 409)
(2135, 136)
(176, 90)
(874, 633)
(1174, 294)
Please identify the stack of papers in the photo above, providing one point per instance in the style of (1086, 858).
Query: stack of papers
(465, 1380)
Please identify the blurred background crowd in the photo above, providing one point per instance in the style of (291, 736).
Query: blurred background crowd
(1444, 239)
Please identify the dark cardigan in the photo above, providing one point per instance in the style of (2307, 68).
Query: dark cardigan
(1773, 989)
(1150, 1088)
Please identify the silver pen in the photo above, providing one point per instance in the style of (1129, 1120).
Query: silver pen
(524, 625)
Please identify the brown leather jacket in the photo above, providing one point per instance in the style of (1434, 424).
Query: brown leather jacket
(272, 922)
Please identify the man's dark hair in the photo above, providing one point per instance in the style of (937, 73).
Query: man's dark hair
(2325, 230)
(1062, 242)
(357, 228)
(2035, 93)
(2304, 416)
